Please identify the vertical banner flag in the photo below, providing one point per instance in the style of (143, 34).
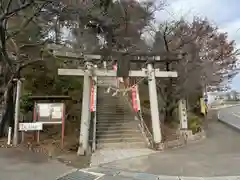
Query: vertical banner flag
(117, 79)
(203, 106)
(138, 99)
(134, 99)
(93, 97)
(115, 67)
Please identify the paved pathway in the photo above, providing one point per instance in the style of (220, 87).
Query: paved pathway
(110, 155)
(18, 165)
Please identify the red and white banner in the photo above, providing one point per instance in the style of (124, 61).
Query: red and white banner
(138, 98)
(134, 99)
(118, 79)
(93, 97)
(115, 67)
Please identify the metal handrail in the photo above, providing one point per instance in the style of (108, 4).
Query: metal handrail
(145, 129)
(142, 124)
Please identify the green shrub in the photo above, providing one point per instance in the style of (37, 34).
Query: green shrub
(146, 104)
(194, 123)
(26, 103)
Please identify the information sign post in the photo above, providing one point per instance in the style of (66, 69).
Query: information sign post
(50, 113)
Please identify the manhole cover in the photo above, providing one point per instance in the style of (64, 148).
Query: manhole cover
(79, 175)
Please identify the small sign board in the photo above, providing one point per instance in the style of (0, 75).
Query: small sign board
(50, 113)
(57, 111)
(35, 126)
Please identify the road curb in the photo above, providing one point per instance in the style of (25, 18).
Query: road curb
(227, 123)
(223, 107)
(234, 127)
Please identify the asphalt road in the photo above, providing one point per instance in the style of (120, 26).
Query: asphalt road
(16, 164)
(230, 116)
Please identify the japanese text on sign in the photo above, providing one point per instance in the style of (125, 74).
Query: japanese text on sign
(50, 112)
(37, 126)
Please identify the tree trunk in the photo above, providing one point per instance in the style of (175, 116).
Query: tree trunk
(8, 113)
(169, 114)
(168, 92)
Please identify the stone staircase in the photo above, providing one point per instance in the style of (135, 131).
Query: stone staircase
(116, 125)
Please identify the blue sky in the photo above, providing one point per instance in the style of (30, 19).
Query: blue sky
(223, 13)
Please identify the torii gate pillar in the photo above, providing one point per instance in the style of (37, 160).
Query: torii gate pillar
(85, 116)
(157, 135)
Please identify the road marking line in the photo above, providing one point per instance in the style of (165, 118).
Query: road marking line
(236, 115)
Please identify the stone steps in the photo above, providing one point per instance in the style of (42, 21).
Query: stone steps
(126, 137)
(115, 118)
(119, 139)
(112, 121)
(113, 128)
(117, 130)
(121, 145)
(116, 125)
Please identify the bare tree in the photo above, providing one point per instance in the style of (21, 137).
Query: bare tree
(208, 57)
(16, 54)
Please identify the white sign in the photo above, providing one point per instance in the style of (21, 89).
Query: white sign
(44, 110)
(56, 112)
(50, 111)
(183, 114)
(36, 126)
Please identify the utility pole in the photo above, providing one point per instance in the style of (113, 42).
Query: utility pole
(17, 111)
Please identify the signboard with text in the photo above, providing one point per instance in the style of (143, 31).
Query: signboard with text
(35, 126)
(50, 113)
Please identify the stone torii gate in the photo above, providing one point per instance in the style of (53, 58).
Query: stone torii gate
(89, 72)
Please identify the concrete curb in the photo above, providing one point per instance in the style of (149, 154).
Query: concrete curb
(223, 107)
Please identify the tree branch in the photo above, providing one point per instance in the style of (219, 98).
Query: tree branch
(8, 6)
(28, 20)
(3, 50)
(7, 15)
